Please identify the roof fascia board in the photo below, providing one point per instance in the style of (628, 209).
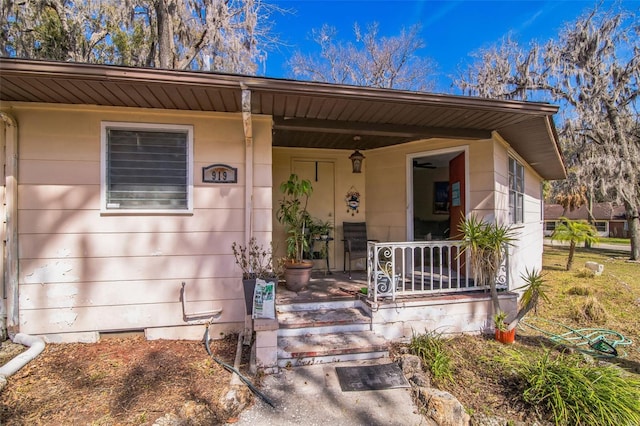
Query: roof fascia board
(25, 67)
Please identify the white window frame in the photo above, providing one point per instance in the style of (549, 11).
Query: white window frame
(513, 176)
(106, 125)
(603, 224)
(548, 223)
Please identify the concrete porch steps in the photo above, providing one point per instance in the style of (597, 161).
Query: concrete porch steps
(311, 333)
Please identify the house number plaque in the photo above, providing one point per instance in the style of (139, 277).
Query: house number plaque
(219, 173)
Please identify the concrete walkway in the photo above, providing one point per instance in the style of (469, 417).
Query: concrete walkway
(311, 396)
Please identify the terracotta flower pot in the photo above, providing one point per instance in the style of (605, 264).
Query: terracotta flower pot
(297, 275)
(506, 337)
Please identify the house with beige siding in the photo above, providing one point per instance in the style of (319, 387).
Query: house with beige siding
(125, 186)
(609, 219)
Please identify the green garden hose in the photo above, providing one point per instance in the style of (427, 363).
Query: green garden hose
(594, 341)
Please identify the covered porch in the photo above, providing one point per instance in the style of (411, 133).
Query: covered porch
(341, 318)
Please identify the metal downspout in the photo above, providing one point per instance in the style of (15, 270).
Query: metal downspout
(248, 186)
(11, 222)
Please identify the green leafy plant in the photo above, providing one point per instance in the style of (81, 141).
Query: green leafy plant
(432, 349)
(499, 321)
(487, 244)
(292, 213)
(534, 290)
(577, 393)
(320, 230)
(574, 231)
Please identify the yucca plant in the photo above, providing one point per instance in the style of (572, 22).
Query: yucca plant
(574, 231)
(534, 290)
(487, 244)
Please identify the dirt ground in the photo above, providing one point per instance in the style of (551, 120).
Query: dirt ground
(131, 381)
(118, 381)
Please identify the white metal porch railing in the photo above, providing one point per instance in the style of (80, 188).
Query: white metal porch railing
(419, 268)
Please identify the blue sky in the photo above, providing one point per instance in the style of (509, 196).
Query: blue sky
(450, 29)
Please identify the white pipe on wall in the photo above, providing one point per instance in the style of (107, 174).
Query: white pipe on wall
(11, 218)
(247, 126)
(36, 346)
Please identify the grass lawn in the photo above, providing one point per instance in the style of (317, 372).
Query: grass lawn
(483, 369)
(611, 240)
(617, 291)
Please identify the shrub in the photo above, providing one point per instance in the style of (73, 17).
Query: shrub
(591, 310)
(584, 273)
(577, 393)
(431, 348)
(578, 291)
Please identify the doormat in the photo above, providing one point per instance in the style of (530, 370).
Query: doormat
(371, 377)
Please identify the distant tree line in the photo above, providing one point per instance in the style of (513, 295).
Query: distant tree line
(593, 71)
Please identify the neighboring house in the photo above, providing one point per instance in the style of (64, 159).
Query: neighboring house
(112, 203)
(609, 219)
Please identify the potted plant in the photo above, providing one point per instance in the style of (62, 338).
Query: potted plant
(292, 213)
(502, 334)
(320, 230)
(255, 262)
(534, 290)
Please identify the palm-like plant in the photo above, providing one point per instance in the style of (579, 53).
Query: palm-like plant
(534, 290)
(487, 244)
(574, 231)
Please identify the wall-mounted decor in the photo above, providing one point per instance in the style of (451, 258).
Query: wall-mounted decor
(441, 198)
(455, 194)
(219, 173)
(353, 201)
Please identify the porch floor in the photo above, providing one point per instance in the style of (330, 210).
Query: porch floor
(337, 286)
(324, 287)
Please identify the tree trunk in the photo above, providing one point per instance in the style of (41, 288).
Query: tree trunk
(633, 219)
(494, 298)
(165, 34)
(590, 217)
(572, 250)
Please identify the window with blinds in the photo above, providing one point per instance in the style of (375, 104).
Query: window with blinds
(147, 169)
(516, 191)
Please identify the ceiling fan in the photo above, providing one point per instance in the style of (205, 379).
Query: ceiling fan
(423, 165)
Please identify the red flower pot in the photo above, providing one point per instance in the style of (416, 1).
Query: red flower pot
(506, 337)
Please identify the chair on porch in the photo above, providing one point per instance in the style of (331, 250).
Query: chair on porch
(355, 242)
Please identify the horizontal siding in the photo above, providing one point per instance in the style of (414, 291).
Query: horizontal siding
(44, 271)
(87, 221)
(133, 244)
(109, 293)
(47, 172)
(122, 317)
(81, 270)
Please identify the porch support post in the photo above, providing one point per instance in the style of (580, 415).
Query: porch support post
(248, 186)
(10, 265)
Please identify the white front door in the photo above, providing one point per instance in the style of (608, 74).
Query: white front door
(322, 202)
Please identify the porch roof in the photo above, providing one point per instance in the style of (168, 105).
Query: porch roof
(305, 114)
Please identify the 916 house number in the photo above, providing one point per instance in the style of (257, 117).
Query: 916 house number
(219, 173)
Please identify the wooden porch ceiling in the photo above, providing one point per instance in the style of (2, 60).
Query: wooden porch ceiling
(305, 114)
